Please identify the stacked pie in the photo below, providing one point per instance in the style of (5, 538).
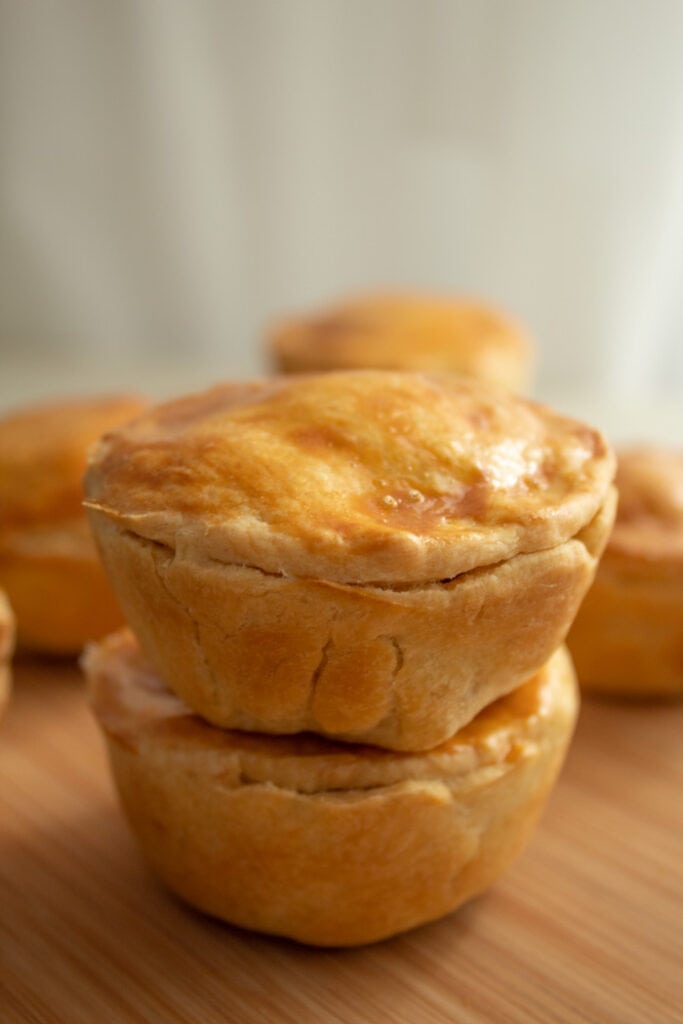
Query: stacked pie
(406, 331)
(343, 699)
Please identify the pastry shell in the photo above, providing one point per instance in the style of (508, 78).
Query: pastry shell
(406, 332)
(275, 591)
(628, 636)
(326, 843)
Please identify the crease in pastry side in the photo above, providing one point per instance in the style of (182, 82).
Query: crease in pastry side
(196, 628)
(318, 672)
(444, 790)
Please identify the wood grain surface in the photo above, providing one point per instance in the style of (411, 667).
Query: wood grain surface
(587, 926)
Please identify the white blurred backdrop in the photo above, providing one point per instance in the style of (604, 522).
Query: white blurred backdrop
(177, 172)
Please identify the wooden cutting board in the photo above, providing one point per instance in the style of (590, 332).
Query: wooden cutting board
(587, 926)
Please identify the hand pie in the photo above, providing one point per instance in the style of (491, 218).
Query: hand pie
(48, 562)
(406, 332)
(328, 843)
(371, 556)
(628, 635)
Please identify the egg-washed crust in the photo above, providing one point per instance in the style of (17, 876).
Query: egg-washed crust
(324, 842)
(405, 332)
(43, 451)
(358, 477)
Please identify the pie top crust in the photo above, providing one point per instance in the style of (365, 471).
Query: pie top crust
(357, 477)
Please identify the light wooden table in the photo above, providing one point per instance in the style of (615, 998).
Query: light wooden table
(587, 926)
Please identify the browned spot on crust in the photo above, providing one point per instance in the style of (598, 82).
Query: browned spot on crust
(409, 509)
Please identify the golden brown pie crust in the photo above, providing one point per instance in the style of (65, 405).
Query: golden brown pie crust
(327, 843)
(359, 477)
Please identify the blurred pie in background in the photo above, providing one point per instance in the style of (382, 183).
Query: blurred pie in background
(49, 566)
(628, 635)
(406, 332)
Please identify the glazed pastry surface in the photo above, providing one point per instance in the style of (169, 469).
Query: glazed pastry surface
(366, 476)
